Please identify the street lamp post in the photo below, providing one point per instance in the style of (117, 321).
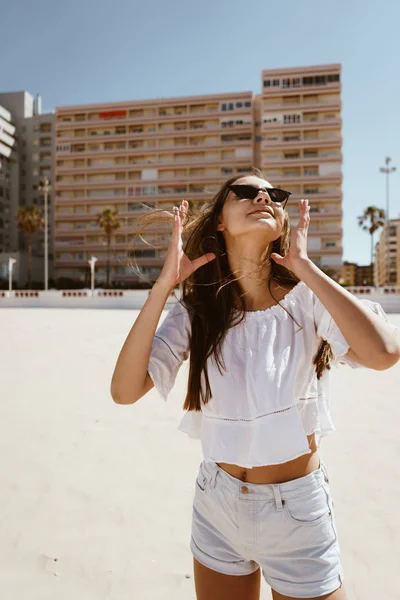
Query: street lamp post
(44, 188)
(387, 170)
(92, 263)
(11, 262)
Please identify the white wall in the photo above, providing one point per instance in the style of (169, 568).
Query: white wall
(329, 168)
(313, 243)
(333, 259)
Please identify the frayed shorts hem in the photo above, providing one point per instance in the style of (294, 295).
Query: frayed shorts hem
(241, 568)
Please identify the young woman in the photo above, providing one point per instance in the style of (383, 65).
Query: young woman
(262, 325)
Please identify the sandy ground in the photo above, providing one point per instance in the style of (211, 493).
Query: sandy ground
(96, 499)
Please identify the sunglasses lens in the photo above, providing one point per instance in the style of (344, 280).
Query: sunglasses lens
(277, 195)
(244, 191)
(249, 192)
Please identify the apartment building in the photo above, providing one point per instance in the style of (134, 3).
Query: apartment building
(130, 155)
(33, 159)
(348, 274)
(356, 275)
(153, 153)
(8, 180)
(387, 255)
(299, 113)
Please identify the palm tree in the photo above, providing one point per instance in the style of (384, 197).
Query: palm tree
(108, 220)
(371, 220)
(30, 220)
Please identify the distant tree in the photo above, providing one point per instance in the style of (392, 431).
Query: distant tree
(371, 220)
(109, 221)
(30, 220)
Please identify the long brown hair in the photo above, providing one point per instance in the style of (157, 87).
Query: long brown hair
(213, 297)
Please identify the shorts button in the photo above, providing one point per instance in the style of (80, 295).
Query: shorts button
(244, 489)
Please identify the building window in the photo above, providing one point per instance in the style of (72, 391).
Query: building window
(276, 82)
(320, 79)
(247, 104)
(267, 83)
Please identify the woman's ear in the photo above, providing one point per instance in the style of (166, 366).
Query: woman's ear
(220, 227)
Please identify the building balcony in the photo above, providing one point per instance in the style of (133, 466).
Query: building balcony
(117, 137)
(317, 214)
(189, 179)
(320, 197)
(303, 105)
(268, 92)
(102, 247)
(166, 196)
(324, 251)
(102, 262)
(150, 119)
(202, 162)
(281, 161)
(303, 124)
(303, 179)
(323, 230)
(142, 149)
(317, 142)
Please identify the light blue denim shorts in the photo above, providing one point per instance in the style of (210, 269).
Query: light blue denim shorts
(286, 529)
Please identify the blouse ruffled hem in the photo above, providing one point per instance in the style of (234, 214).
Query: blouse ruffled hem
(259, 441)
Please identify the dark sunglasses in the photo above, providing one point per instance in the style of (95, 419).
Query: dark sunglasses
(249, 192)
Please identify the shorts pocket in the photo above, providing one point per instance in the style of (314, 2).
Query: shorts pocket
(310, 509)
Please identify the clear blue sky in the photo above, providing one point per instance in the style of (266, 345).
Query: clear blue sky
(85, 51)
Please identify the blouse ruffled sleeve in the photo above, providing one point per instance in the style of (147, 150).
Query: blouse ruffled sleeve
(170, 348)
(329, 331)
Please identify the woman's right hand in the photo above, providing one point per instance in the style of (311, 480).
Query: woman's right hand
(177, 266)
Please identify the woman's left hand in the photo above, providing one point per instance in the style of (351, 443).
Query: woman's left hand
(298, 241)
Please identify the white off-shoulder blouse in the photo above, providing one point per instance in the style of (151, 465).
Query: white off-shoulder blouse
(269, 399)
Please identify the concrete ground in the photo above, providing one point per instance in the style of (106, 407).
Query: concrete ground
(96, 499)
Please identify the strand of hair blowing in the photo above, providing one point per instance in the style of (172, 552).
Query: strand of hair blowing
(213, 297)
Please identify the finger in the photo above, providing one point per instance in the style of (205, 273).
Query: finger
(203, 260)
(176, 225)
(182, 209)
(277, 258)
(304, 212)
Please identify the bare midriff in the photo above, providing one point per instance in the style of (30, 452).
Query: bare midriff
(293, 469)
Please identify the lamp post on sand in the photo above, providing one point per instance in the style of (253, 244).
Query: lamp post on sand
(44, 188)
(11, 262)
(387, 170)
(92, 263)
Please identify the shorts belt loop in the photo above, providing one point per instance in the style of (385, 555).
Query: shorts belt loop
(214, 477)
(324, 471)
(278, 497)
